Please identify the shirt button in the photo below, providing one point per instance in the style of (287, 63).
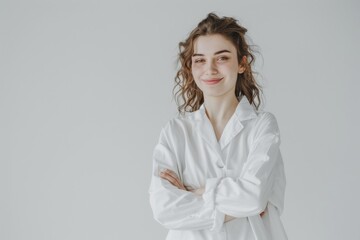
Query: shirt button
(220, 164)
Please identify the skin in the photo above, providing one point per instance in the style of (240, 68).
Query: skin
(215, 57)
(215, 68)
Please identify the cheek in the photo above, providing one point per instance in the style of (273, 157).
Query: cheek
(231, 70)
(195, 72)
(196, 76)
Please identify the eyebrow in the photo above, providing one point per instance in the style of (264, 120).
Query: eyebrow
(218, 52)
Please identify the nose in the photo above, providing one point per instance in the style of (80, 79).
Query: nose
(211, 68)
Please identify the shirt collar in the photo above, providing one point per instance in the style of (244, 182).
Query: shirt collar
(244, 110)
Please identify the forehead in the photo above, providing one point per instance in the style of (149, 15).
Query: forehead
(210, 44)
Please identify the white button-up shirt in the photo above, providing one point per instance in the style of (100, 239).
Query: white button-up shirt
(242, 173)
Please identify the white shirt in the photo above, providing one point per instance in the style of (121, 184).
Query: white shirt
(243, 175)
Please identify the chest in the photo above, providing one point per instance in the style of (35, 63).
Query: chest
(204, 157)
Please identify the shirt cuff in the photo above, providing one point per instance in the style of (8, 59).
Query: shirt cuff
(219, 219)
(209, 199)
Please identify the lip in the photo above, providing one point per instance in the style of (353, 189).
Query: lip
(212, 81)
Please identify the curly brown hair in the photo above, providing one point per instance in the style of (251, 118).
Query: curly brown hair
(187, 90)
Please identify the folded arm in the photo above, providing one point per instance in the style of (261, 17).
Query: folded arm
(173, 206)
(171, 177)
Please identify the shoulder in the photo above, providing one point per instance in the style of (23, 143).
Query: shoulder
(266, 122)
(179, 126)
(182, 122)
(264, 117)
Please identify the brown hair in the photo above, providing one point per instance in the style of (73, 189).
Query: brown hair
(188, 91)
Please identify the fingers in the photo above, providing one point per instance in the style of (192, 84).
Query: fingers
(171, 176)
(167, 176)
(172, 180)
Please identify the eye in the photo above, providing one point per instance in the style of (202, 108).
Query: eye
(199, 60)
(222, 58)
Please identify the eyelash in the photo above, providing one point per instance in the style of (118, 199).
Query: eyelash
(199, 60)
(224, 58)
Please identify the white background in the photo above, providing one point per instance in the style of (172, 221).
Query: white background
(85, 87)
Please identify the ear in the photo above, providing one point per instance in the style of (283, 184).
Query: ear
(242, 65)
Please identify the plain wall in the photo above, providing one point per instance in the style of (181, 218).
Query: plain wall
(85, 87)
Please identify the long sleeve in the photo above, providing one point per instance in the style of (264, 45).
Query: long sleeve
(247, 194)
(175, 208)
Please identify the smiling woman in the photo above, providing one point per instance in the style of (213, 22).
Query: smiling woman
(234, 35)
(217, 171)
(214, 62)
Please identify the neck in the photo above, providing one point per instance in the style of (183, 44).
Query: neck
(220, 110)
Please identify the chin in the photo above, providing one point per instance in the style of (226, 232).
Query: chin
(218, 93)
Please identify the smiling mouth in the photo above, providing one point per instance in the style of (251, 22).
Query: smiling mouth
(212, 81)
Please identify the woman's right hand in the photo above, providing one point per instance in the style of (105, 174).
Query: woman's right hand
(171, 176)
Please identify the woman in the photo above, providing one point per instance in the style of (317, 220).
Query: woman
(217, 170)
